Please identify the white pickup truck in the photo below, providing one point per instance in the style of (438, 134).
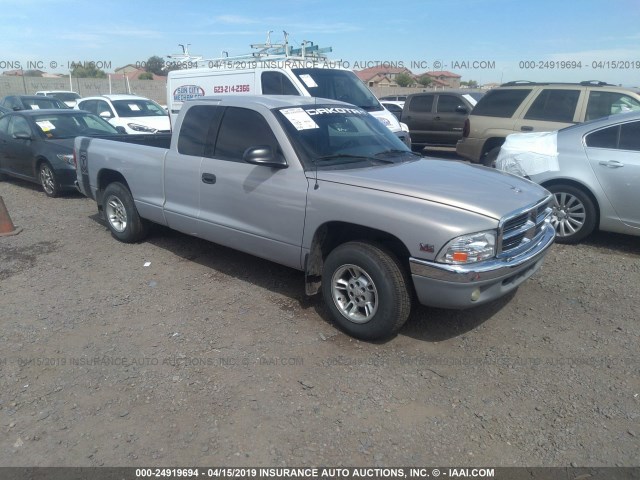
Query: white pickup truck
(323, 187)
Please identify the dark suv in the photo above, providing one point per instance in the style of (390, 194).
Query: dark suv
(437, 118)
(537, 107)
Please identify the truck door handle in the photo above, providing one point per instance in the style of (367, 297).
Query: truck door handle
(209, 178)
(612, 164)
(526, 128)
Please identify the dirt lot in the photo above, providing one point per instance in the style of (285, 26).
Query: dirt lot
(212, 357)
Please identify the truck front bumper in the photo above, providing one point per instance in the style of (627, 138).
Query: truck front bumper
(464, 286)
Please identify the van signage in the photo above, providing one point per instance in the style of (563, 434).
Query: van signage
(187, 92)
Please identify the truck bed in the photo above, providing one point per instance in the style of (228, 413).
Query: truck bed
(158, 140)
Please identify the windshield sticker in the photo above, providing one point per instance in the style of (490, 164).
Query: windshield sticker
(332, 110)
(35, 107)
(45, 125)
(299, 118)
(134, 107)
(308, 80)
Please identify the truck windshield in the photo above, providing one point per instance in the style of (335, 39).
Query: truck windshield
(330, 136)
(340, 85)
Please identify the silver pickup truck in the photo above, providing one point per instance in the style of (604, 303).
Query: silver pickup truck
(323, 187)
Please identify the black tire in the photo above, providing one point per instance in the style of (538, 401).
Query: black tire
(121, 214)
(48, 180)
(574, 213)
(366, 272)
(489, 160)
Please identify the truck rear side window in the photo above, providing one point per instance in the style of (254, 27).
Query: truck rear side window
(554, 105)
(501, 103)
(275, 83)
(242, 128)
(194, 133)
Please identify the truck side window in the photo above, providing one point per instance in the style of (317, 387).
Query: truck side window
(242, 128)
(276, 83)
(196, 128)
(421, 103)
(554, 105)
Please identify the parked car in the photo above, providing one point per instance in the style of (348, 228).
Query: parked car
(137, 115)
(67, 96)
(393, 107)
(594, 177)
(317, 185)
(537, 107)
(30, 102)
(37, 145)
(393, 98)
(437, 118)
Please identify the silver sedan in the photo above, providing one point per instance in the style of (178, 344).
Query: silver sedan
(593, 170)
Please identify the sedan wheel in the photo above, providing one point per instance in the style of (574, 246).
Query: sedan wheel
(48, 180)
(574, 215)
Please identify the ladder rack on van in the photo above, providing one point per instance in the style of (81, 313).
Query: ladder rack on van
(274, 51)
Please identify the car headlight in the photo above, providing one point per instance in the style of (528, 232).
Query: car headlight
(384, 121)
(141, 128)
(472, 248)
(66, 158)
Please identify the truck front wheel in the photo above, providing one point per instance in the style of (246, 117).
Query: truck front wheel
(365, 289)
(121, 214)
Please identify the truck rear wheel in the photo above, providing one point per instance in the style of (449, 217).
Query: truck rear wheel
(121, 214)
(366, 291)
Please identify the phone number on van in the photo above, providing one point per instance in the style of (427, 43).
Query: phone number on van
(231, 89)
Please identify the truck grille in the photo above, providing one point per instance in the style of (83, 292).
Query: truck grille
(522, 229)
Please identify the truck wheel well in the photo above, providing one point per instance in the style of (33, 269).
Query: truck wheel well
(332, 234)
(490, 144)
(579, 186)
(106, 177)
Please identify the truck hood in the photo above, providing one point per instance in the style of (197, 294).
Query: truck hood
(470, 187)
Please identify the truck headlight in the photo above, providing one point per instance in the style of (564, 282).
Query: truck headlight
(141, 128)
(472, 248)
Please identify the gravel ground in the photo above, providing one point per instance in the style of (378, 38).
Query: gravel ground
(212, 357)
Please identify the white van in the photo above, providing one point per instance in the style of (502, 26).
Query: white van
(277, 77)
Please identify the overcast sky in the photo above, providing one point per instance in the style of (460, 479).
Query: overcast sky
(482, 40)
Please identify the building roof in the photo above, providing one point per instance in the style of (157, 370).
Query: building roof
(368, 73)
(442, 73)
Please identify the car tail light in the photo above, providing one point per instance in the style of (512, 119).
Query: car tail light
(466, 129)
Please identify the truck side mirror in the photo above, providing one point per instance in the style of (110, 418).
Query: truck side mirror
(105, 115)
(263, 155)
(461, 109)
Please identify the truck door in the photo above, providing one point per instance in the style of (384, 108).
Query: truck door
(183, 164)
(253, 208)
(418, 115)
